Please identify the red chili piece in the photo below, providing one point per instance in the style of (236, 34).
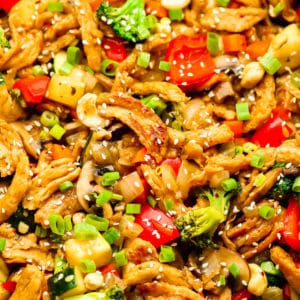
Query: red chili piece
(114, 49)
(7, 4)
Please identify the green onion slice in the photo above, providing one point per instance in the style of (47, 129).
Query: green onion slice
(164, 65)
(212, 43)
(120, 258)
(234, 270)
(87, 266)
(73, 55)
(266, 212)
(55, 7)
(57, 224)
(109, 67)
(166, 254)
(257, 160)
(229, 184)
(49, 119)
(223, 3)
(270, 63)
(133, 208)
(100, 223)
(85, 231)
(57, 131)
(2, 243)
(143, 59)
(110, 178)
(65, 186)
(296, 185)
(175, 14)
(111, 235)
(295, 79)
(242, 111)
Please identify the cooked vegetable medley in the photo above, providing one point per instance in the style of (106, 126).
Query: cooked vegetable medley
(149, 149)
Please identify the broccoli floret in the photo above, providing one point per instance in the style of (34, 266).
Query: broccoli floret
(199, 225)
(282, 189)
(129, 21)
(115, 293)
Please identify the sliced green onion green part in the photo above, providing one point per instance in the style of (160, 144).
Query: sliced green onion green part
(68, 223)
(133, 208)
(55, 7)
(57, 224)
(109, 67)
(111, 235)
(89, 70)
(222, 280)
(166, 254)
(168, 204)
(57, 131)
(242, 111)
(223, 3)
(66, 68)
(143, 32)
(110, 178)
(270, 268)
(295, 79)
(258, 160)
(164, 65)
(278, 8)
(296, 185)
(120, 258)
(73, 55)
(40, 231)
(260, 179)
(59, 264)
(37, 70)
(103, 197)
(212, 43)
(143, 59)
(4, 43)
(155, 103)
(175, 14)
(48, 118)
(65, 186)
(85, 231)
(2, 81)
(270, 63)
(100, 223)
(229, 184)
(249, 147)
(234, 270)
(151, 21)
(2, 243)
(266, 212)
(151, 200)
(87, 266)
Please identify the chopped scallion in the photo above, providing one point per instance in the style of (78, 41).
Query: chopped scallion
(37, 70)
(212, 43)
(87, 266)
(266, 212)
(164, 65)
(234, 270)
(66, 68)
(111, 235)
(109, 67)
(270, 268)
(295, 79)
(168, 204)
(151, 200)
(59, 264)
(120, 258)
(270, 63)
(249, 147)
(133, 208)
(175, 14)
(40, 231)
(229, 184)
(100, 223)
(260, 179)
(155, 103)
(151, 21)
(2, 81)
(68, 223)
(166, 254)
(85, 231)
(65, 186)
(257, 160)
(73, 55)
(143, 59)
(103, 197)
(55, 7)
(223, 3)
(110, 178)
(57, 131)
(242, 111)
(296, 185)
(57, 224)
(49, 119)
(278, 8)
(2, 243)
(222, 280)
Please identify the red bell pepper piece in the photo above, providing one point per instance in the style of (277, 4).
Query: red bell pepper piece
(9, 285)
(236, 126)
(33, 89)
(158, 228)
(243, 294)
(110, 268)
(292, 224)
(174, 163)
(114, 48)
(7, 4)
(275, 131)
(191, 63)
(234, 43)
(298, 14)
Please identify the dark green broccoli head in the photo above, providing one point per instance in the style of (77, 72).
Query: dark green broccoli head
(129, 21)
(282, 189)
(115, 293)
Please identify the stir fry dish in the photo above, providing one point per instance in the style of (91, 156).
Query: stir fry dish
(149, 149)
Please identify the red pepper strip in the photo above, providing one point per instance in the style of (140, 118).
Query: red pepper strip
(7, 4)
(155, 8)
(298, 14)
(9, 285)
(292, 224)
(235, 126)
(243, 294)
(149, 218)
(275, 131)
(191, 63)
(110, 268)
(234, 43)
(174, 163)
(33, 89)
(114, 49)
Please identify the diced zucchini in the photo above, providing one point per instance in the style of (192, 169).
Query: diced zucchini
(58, 60)
(65, 90)
(97, 250)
